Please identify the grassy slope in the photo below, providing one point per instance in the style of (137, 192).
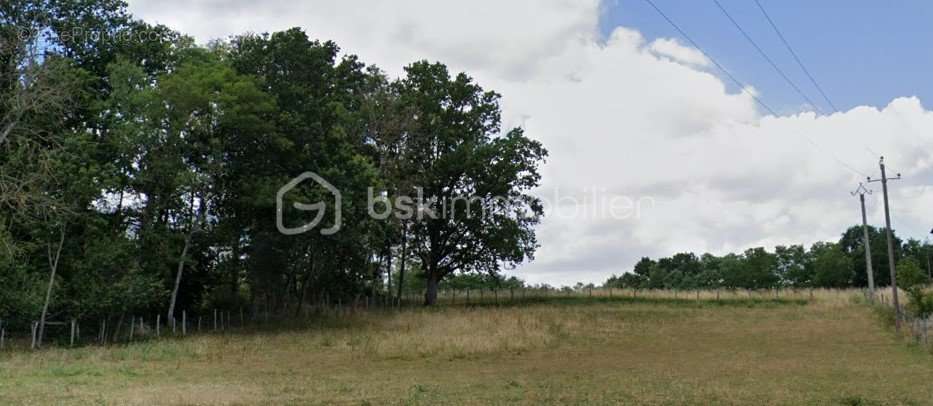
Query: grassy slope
(651, 352)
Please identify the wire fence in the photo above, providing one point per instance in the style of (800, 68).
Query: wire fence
(917, 327)
(73, 332)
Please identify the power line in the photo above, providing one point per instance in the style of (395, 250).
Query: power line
(765, 55)
(796, 58)
(801, 65)
(744, 88)
(720, 67)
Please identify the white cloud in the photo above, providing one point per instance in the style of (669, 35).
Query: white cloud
(625, 117)
(671, 48)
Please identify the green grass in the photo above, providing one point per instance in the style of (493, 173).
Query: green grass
(562, 350)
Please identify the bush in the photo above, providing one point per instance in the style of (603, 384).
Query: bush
(914, 281)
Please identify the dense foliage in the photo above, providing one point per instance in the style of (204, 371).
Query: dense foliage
(139, 172)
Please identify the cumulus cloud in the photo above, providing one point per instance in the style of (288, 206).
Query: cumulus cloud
(671, 48)
(624, 118)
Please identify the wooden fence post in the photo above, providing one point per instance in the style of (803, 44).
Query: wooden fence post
(34, 326)
(184, 323)
(132, 327)
(925, 336)
(158, 325)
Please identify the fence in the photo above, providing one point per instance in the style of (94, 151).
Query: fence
(916, 327)
(129, 328)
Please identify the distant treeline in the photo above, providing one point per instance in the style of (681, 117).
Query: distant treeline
(824, 265)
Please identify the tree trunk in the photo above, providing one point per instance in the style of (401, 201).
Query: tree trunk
(195, 227)
(53, 269)
(304, 285)
(430, 293)
(401, 269)
(8, 129)
(388, 295)
(374, 279)
(181, 268)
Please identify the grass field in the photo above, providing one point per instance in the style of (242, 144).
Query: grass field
(624, 350)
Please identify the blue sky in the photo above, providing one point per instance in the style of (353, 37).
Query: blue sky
(860, 52)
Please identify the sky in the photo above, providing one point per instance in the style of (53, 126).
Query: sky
(653, 150)
(860, 52)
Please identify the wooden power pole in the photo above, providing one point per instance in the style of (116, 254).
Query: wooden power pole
(887, 222)
(861, 192)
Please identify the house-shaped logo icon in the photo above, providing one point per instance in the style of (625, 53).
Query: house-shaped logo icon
(320, 207)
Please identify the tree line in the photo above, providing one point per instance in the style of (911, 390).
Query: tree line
(839, 264)
(139, 170)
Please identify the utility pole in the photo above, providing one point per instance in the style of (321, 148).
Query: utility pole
(926, 250)
(861, 192)
(887, 222)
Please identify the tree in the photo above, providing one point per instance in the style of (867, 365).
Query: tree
(755, 269)
(793, 266)
(921, 253)
(914, 280)
(710, 276)
(732, 268)
(852, 244)
(474, 213)
(319, 126)
(831, 267)
(220, 112)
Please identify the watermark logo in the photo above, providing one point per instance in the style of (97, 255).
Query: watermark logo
(320, 207)
(586, 204)
(41, 32)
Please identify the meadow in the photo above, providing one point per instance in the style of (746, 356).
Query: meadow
(828, 349)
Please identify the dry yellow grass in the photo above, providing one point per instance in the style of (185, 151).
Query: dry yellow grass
(650, 351)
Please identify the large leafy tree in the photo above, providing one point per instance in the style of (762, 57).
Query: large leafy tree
(793, 266)
(471, 180)
(831, 267)
(852, 243)
(318, 127)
